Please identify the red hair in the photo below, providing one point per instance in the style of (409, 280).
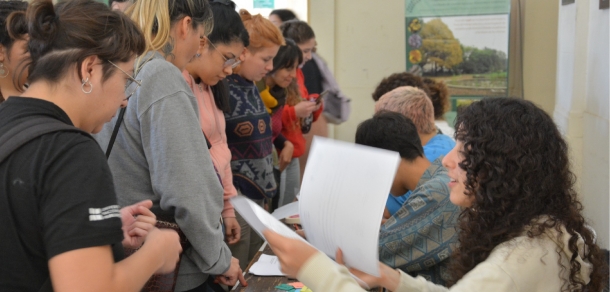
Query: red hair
(263, 33)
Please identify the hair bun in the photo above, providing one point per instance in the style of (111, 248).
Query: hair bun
(43, 27)
(245, 15)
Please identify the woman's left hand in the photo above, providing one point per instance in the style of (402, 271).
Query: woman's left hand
(286, 155)
(232, 230)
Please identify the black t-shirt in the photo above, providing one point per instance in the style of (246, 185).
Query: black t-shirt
(56, 195)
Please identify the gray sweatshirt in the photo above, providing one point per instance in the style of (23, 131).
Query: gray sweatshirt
(161, 154)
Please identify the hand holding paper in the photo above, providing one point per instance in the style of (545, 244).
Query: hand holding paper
(341, 203)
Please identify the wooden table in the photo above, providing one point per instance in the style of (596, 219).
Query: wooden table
(266, 284)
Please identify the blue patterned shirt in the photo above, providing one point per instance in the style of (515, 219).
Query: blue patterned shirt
(421, 235)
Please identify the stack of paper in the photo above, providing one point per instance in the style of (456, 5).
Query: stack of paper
(266, 266)
(343, 194)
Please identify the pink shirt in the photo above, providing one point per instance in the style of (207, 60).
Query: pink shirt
(212, 121)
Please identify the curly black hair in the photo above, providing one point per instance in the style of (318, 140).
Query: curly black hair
(517, 173)
(398, 80)
(439, 94)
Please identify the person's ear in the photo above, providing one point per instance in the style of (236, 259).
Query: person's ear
(2, 53)
(88, 71)
(184, 27)
(245, 54)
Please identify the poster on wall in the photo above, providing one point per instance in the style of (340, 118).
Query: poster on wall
(464, 43)
(263, 4)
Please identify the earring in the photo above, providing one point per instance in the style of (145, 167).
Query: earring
(197, 55)
(85, 82)
(3, 71)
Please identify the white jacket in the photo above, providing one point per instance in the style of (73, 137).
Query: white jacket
(521, 264)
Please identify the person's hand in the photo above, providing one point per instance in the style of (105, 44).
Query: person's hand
(292, 253)
(232, 230)
(386, 213)
(286, 155)
(232, 275)
(386, 216)
(389, 278)
(137, 221)
(167, 241)
(304, 108)
(301, 233)
(318, 104)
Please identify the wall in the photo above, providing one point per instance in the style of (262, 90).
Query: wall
(565, 61)
(368, 40)
(347, 31)
(581, 109)
(540, 51)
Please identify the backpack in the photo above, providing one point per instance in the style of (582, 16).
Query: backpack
(337, 106)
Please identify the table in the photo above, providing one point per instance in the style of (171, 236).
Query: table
(267, 284)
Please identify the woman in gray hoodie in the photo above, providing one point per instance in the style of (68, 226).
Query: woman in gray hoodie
(160, 152)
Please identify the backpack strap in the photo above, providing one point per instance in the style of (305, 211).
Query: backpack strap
(30, 129)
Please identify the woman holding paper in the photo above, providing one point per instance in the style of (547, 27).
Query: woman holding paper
(521, 227)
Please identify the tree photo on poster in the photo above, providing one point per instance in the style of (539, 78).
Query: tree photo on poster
(465, 47)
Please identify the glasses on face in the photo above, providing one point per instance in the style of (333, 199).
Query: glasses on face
(233, 62)
(132, 86)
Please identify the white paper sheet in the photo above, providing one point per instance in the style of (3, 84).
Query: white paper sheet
(286, 211)
(343, 194)
(267, 266)
(260, 219)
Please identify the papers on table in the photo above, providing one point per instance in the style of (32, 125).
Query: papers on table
(260, 219)
(267, 266)
(343, 194)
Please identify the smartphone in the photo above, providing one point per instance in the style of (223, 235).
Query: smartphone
(319, 99)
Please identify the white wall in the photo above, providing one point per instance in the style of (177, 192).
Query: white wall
(582, 108)
(539, 51)
(368, 41)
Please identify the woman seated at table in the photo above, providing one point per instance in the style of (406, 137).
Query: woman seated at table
(522, 227)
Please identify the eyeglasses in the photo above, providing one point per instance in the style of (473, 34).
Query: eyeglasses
(131, 87)
(233, 62)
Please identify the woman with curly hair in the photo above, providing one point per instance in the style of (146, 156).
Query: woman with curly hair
(521, 228)
(399, 80)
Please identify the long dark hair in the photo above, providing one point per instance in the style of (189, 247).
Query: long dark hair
(518, 175)
(68, 33)
(286, 56)
(228, 28)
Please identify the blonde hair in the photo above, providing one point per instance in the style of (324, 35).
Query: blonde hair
(411, 102)
(263, 33)
(155, 18)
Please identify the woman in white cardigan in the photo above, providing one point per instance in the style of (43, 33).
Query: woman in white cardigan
(521, 228)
